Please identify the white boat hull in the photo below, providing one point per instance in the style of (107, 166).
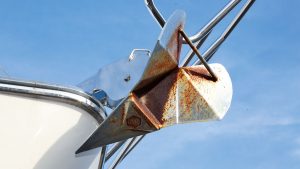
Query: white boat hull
(43, 134)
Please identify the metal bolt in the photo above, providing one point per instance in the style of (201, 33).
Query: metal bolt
(133, 121)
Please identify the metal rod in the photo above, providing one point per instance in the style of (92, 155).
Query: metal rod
(198, 54)
(207, 28)
(189, 56)
(114, 149)
(121, 154)
(212, 50)
(137, 141)
(156, 14)
(102, 158)
(209, 53)
(238, 18)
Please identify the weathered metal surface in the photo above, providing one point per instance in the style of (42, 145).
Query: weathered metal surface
(119, 78)
(122, 124)
(206, 29)
(165, 55)
(189, 94)
(166, 94)
(203, 61)
(200, 98)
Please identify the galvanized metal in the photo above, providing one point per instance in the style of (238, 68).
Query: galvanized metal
(114, 149)
(129, 119)
(122, 153)
(209, 53)
(205, 30)
(102, 157)
(166, 94)
(189, 56)
(134, 144)
(112, 78)
(155, 13)
(162, 95)
(195, 50)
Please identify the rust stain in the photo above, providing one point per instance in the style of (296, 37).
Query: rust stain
(133, 121)
(163, 60)
(114, 120)
(194, 105)
(175, 45)
(187, 94)
(123, 113)
(160, 65)
(198, 73)
(157, 98)
(145, 112)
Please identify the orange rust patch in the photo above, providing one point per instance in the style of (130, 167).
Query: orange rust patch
(175, 44)
(160, 65)
(157, 98)
(198, 72)
(164, 59)
(187, 93)
(193, 104)
(145, 112)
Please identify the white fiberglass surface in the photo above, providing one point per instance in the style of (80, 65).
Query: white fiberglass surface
(42, 134)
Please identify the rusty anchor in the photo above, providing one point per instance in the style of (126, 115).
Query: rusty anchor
(166, 94)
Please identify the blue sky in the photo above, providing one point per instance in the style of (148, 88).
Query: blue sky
(67, 41)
